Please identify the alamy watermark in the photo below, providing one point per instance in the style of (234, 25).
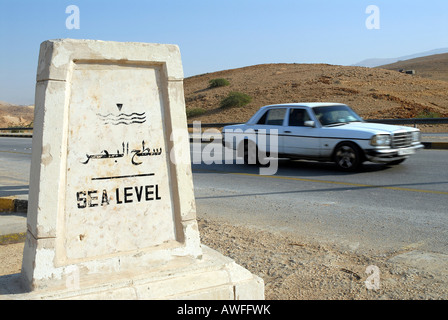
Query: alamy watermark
(234, 146)
(72, 280)
(73, 21)
(373, 20)
(373, 280)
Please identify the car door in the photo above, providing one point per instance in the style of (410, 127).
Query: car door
(268, 129)
(297, 138)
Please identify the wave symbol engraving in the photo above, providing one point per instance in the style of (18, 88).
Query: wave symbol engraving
(123, 118)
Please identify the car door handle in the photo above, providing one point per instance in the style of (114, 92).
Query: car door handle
(287, 131)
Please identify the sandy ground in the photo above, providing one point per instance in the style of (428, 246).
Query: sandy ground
(294, 269)
(11, 258)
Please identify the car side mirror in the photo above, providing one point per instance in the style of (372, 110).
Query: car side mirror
(309, 124)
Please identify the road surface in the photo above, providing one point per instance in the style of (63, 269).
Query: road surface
(380, 209)
(15, 159)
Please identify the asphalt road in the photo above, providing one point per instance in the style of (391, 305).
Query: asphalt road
(381, 209)
(15, 159)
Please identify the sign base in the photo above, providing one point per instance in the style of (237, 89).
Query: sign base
(214, 277)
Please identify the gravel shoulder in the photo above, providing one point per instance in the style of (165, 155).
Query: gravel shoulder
(294, 269)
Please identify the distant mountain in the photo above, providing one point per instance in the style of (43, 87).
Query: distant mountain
(375, 62)
(433, 67)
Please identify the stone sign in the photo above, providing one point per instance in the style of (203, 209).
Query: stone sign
(111, 205)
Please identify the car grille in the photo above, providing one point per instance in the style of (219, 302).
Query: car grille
(402, 140)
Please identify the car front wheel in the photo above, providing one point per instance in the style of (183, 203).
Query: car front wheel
(347, 157)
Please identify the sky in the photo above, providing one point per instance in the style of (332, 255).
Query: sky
(216, 35)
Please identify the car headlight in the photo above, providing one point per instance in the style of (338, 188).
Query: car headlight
(416, 136)
(380, 140)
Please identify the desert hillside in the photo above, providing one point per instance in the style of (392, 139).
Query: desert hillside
(375, 93)
(15, 116)
(433, 67)
(372, 92)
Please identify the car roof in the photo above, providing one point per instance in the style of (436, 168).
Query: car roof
(256, 116)
(305, 104)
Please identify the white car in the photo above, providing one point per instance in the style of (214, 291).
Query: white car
(322, 132)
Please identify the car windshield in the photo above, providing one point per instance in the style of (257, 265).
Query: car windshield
(336, 115)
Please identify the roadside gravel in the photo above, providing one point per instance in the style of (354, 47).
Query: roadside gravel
(294, 269)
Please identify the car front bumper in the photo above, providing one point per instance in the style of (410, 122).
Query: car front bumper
(388, 155)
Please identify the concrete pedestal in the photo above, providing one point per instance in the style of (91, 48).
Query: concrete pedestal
(213, 277)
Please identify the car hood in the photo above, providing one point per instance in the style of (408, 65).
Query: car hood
(364, 129)
(376, 127)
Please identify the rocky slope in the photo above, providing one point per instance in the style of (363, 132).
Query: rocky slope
(15, 116)
(372, 92)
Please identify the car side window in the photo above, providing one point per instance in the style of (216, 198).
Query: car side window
(297, 117)
(263, 118)
(273, 117)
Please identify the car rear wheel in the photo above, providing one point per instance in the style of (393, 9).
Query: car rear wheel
(347, 157)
